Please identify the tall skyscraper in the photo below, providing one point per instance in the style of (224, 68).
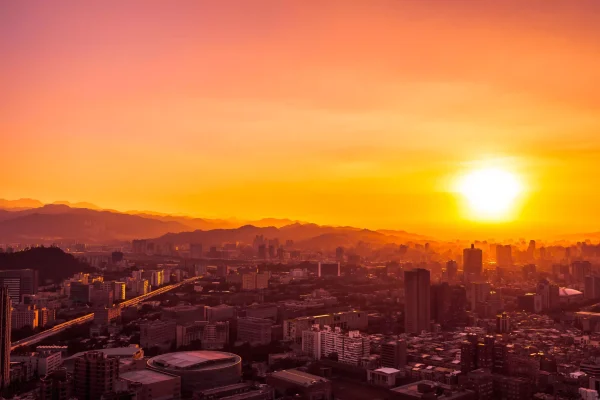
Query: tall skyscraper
(440, 302)
(531, 251)
(592, 287)
(479, 292)
(472, 262)
(451, 270)
(549, 293)
(417, 292)
(502, 323)
(4, 338)
(19, 282)
(339, 254)
(468, 353)
(504, 255)
(94, 374)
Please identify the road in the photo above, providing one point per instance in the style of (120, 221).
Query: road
(38, 337)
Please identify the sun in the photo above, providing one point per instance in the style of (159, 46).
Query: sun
(491, 193)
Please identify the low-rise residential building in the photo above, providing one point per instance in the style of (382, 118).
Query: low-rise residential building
(307, 386)
(154, 385)
(386, 377)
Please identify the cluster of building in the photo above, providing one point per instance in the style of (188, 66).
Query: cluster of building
(433, 330)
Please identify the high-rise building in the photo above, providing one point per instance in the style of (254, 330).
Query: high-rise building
(24, 315)
(482, 383)
(256, 331)
(119, 288)
(81, 292)
(349, 320)
(222, 312)
(255, 280)
(451, 270)
(196, 250)
(468, 353)
(19, 282)
(5, 320)
(138, 275)
(262, 252)
(139, 246)
(332, 269)
(592, 287)
(504, 255)
(393, 354)
(500, 358)
(161, 334)
(528, 270)
(485, 353)
(531, 251)
(531, 302)
(56, 385)
(157, 278)
(472, 263)
(480, 292)
(581, 269)
(550, 294)
(502, 323)
(440, 302)
(349, 347)
(94, 374)
(212, 335)
(39, 363)
(339, 254)
(417, 294)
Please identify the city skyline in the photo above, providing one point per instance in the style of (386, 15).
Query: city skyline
(197, 109)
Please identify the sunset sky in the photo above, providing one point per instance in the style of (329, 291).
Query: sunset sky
(359, 112)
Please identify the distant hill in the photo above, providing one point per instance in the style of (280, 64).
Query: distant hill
(55, 223)
(20, 204)
(52, 263)
(78, 222)
(192, 223)
(308, 236)
(81, 204)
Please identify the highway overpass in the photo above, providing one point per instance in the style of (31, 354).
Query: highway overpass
(38, 337)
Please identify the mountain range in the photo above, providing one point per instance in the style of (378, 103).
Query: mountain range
(30, 221)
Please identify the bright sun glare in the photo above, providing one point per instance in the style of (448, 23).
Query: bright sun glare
(491, 193)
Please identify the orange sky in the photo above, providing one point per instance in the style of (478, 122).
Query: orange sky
(341, 112)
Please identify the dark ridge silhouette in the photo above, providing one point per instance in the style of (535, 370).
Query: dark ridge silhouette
(55, 223)
(307, 236)
(52, 263)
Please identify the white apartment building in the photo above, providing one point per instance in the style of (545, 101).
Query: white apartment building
(350, 346)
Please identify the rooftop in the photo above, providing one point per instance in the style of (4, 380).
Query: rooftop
(567, 292)
(260, 321)
(298, 377)
(412, 390)
(130, 351)
(146, 376)
(220, 389)
(387, 370)
(187, 360)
